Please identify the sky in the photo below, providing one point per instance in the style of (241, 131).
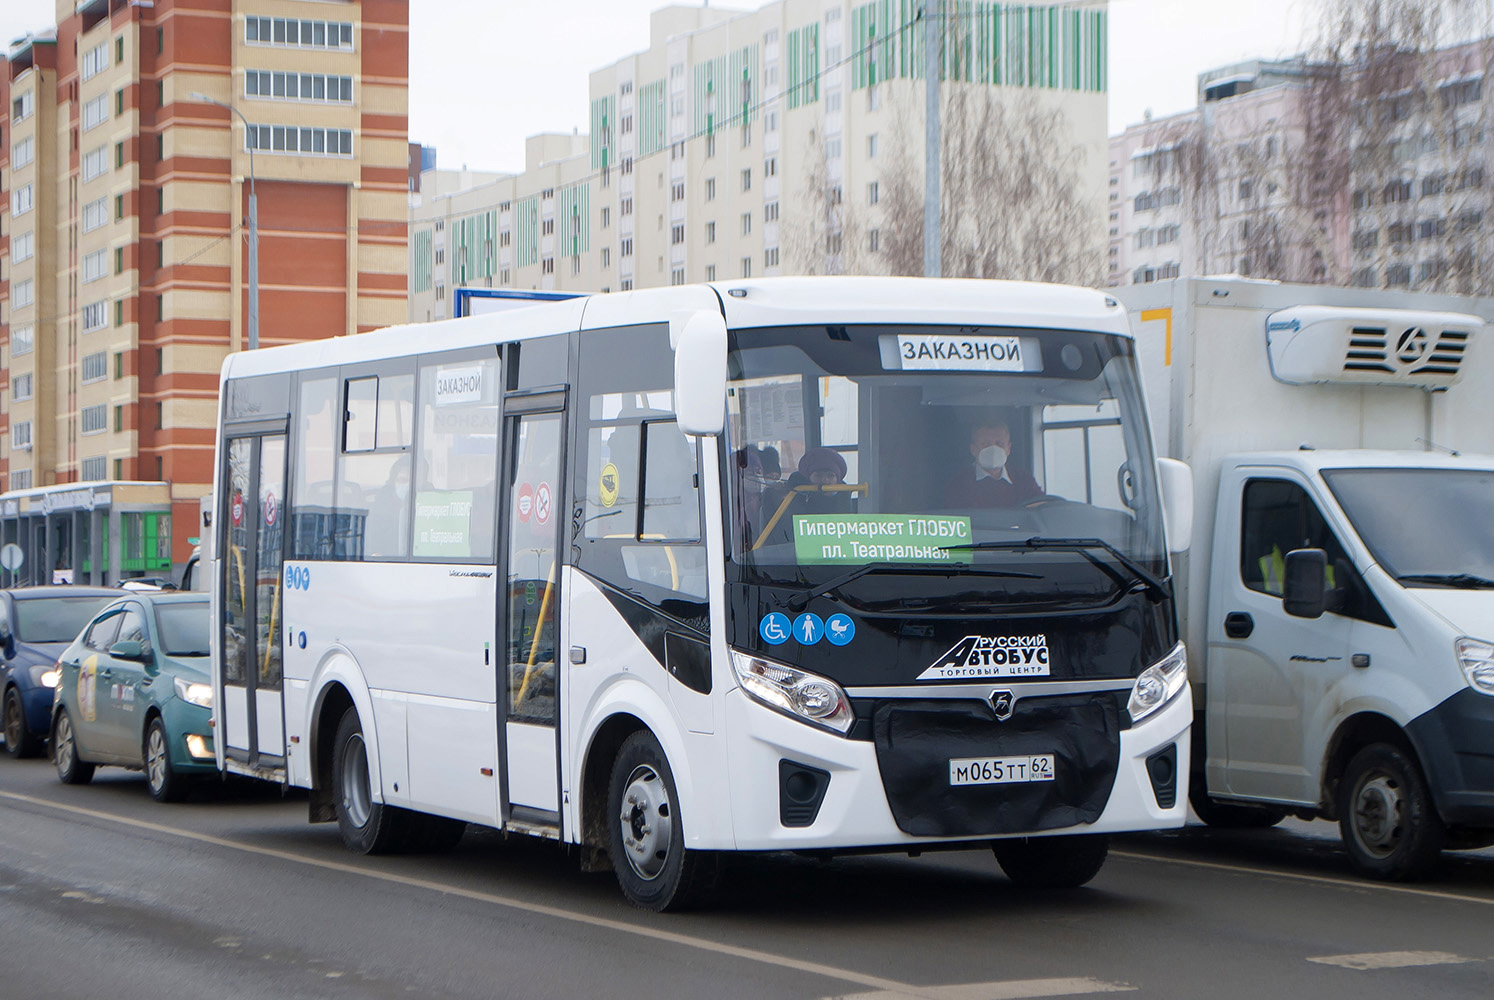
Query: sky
(484, 74)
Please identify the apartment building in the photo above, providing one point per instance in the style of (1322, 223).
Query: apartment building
(743, 144)
(136, 133)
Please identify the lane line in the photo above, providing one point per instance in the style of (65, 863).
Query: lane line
(1392, 959)
(890, 986)
(1342, 883)
(1009, 989)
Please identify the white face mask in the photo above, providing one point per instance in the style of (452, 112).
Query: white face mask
(401, 490)
(992, 458)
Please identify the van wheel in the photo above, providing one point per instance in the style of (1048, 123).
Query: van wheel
(367, 827)
(645, 833)
(70, 770)
(1229, 815)
(1386, 816)
(1052, 862)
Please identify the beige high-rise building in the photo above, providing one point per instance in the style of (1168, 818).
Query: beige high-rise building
(126, 251)
(756, 143)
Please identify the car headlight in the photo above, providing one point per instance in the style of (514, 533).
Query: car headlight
(805, 696)
(49, 677)
(194, 694)
(1476, 657)
(1158, 683)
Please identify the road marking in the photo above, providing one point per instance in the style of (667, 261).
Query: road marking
(1011, 989)
(889, 986)
(1343, 883)
(1391, 959)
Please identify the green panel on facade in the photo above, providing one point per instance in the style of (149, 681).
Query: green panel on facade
(651, 118)
(526, 231)
(573, 219)
(603, 122)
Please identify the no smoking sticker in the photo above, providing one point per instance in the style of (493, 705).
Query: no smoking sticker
(542, 504)
(272, 509)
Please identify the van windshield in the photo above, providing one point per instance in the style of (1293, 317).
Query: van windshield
(915, 446)
(1425, 527)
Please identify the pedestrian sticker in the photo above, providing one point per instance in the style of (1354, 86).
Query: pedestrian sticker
(840, 629)
(608, 485)
(809, 628)
(542, 503)
(774, 628)
(272, 508)
(526, 501)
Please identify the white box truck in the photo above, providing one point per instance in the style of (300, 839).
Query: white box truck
(1337, 602)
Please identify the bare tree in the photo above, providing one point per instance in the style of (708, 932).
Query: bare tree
(1012, 198)
(825, 239)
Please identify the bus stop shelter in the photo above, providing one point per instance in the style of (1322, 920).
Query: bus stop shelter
(88, 533)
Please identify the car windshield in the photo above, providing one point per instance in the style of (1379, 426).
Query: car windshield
(1425, 527)
(182, 629)
(916, 446)
(55, 619)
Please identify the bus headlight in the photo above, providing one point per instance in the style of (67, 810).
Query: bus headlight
(194, 694)
(1476, 657)
(1158, 683)
(805, 696)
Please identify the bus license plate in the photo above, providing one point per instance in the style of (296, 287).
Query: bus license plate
(1000, 770)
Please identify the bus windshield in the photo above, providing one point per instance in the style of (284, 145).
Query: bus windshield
(923, 447)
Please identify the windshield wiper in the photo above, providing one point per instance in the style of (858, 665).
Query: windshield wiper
(800, 601)
(1461, 581)
(1079, 545)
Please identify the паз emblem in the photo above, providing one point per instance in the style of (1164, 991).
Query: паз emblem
(1002, 703)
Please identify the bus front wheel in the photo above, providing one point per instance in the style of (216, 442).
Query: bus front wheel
(1052, 862)
(646, 838)
(367, 827)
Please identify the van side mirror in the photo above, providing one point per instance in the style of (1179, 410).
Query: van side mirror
(699, 340)
(127, 649)
(1305, 589)
(1175, 480)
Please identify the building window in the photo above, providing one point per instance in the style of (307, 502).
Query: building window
(710, 146)
(306, 34)
(95, 367)
(22, 293)
(304, 141)
(315, 87)
(22, 340)
(710, 236)
(677, 276)
(874, 241)
(547, 227)
(677, 192)
(832, 148)
(606, 256)
(625, 249)
(22, 247)
(770, 257)
(22, 153)
(118, 207)
(95, 112)
(770, 212)
(95, 214)
(22, 107)
(770, 167)
(547, 265)
(746, 223)
(871, 146)
(746, 267)
(747, 179)
(20, 479)
(20, 435)
(95, 418)
(93, 469)
(118, 419)
(710, 272)
(625, 206)
(95, 316)
(606, 217)
(95, 265)
(94, 61)
(20, 201)
(711, 189)
(20, 387)
(119, 470)
(873, 193)
(677, 234)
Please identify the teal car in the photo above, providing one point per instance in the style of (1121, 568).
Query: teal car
(134, 691)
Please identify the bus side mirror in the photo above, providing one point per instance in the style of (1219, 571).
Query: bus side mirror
(1305, 589)
(699, 340)
(1176, 482)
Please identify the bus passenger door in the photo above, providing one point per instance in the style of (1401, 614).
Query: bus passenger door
(533, 444)
(251, 722)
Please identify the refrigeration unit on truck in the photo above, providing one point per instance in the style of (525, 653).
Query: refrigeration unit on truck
(1338, 598)
(815, 564)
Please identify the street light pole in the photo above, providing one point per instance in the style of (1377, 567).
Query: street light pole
(933, 14)
(253, 224)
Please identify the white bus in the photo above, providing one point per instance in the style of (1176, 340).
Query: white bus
(753, 566)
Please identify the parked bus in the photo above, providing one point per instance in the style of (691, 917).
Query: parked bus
(811, 564)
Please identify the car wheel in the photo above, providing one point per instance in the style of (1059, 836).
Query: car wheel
(367, 827)
(1229, 815)
(70, 769)
(166, 785)
(646, 838)
(19, 741)
(1052, 862)
(1386, 816)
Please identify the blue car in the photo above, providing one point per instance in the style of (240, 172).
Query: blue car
(36, 625)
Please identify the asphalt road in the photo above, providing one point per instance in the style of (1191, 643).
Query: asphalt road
(104, 893)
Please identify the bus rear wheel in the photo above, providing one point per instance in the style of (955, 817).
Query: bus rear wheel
(1052, 862)
(646, 838)
(367, 827)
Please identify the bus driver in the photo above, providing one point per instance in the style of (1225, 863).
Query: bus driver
(991, 480)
